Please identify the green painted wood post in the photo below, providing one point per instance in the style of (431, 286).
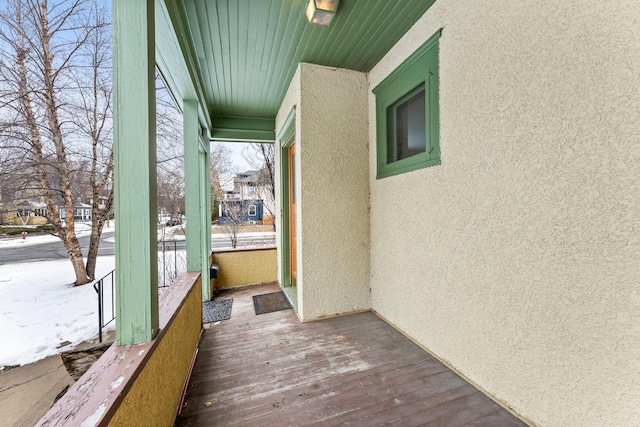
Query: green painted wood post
(192, 185)
(205, 216)
(135, 171)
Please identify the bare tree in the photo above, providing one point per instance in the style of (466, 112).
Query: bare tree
(44, 50)
(94, 123)
(170, 152)
(233, 214)
(262, 158)
(222, 172)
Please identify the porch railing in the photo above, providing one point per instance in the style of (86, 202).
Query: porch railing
(107, 283)
(168, 273)
(169, 268)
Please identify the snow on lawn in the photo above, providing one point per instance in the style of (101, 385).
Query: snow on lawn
(42, 313)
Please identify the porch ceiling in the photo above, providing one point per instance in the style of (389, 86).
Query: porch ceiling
(244, 52)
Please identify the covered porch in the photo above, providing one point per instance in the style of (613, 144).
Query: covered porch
(273, 370)
(498, 236)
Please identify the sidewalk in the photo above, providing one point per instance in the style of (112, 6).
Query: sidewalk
(27, 392)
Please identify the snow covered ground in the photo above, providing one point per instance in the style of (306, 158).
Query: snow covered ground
(42, 313)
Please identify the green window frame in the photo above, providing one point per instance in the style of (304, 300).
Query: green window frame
(418, 73)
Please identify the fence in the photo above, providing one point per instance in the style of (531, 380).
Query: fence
(100, 288)
(170, 265)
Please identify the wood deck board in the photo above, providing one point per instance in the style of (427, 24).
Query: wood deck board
(272, 370)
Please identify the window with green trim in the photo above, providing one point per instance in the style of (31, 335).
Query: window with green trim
(407, 114)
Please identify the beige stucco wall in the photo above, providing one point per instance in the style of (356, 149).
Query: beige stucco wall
(332, 190)
(242, 267)
(517, 259)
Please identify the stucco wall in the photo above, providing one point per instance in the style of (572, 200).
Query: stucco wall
(332, 195)
(243, 267)
(517, 259)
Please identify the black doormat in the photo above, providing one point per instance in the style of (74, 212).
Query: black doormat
(268, 303)
(214, 311)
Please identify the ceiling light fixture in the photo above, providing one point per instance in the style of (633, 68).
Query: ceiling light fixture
(321, 12)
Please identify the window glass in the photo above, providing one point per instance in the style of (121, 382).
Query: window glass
(406, 126)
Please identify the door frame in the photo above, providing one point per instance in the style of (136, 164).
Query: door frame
(287, 139)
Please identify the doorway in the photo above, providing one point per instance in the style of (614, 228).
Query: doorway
(292, 215)
(288, 231)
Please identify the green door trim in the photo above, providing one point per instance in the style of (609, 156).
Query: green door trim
(286, 138)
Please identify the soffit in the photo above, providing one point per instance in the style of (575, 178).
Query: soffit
(246, 51)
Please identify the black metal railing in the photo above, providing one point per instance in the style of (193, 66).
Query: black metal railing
(107, 283)
(169, 268)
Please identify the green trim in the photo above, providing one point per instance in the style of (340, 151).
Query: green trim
(242, 135)
(421, 67)
(286, 136)
(135, 162)
(292, 295)
(192, 184)
(177, 54)
(243, 129)
(289, 127)
(205, 217)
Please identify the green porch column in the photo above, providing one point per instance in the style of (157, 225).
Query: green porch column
(192, 185)
(135, 171)
(197, 189)
(205, 215)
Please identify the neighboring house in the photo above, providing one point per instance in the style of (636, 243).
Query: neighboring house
(24, 212)
(247, 198)
(247, 184)
(252, 185)
(467, 170)
(81, 212)
(245, 211)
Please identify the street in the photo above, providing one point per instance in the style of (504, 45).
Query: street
(56, 250)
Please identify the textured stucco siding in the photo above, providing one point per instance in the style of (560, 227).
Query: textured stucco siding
(517, 260)
(154, 397)
(245, 267)
(332, 192)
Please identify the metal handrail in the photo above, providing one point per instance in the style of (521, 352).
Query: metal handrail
(99, 288)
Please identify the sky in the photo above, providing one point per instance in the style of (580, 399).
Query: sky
(237, 157)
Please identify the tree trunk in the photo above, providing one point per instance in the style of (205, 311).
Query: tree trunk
(97, 223)
(94, 244)
(71, 241)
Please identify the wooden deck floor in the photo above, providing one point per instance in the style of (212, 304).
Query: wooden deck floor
(272, 370)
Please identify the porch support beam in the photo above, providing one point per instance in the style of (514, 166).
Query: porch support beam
(135, 171)
(205, 214)
(192, 197)
(243, 129)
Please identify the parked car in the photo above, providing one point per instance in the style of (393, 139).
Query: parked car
(174, 221)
